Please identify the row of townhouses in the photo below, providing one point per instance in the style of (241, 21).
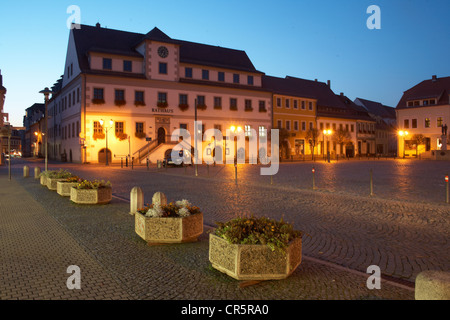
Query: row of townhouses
(123, 94)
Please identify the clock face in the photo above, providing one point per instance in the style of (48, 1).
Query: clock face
(163, 52)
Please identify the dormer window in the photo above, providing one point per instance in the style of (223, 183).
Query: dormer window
(205, 74)
(107, 64)
(235, 78)
(127, 66)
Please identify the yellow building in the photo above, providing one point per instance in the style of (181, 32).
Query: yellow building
(294, 113)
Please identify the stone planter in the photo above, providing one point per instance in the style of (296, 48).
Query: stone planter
(63, 188)
(43, 180)
(169, 230)
(91, 196)
(254, 262)
(52, 183)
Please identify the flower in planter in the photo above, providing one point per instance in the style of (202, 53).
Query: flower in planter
(73, 179)
(121, 136)
(162, 104)
(98, 135)
(60, 174)
(120, 103)
(139, 103)
(265, 231)
(94, 184)
(201, 106)
(140, 135)
(178, 209)
(98, 101)
(183, 106)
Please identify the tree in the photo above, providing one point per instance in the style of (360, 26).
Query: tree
(418, 139)
(284, 141)
(312, 135)
(342, 136)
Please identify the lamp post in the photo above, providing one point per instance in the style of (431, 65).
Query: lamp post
(325, 134)
(403, 134)
(46, 92)
(106, 138)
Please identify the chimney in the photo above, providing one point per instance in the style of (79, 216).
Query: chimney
(342, 94)
(98, 25)
(434, 78)
(1, 78)
(329, 83)
(315, 80)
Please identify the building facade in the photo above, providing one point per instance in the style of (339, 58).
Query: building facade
(124, 94)
(423, 114)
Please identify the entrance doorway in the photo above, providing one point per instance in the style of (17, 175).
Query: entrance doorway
(102, 154)
(161, 135)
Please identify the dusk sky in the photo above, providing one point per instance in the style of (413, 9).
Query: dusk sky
(320, 39)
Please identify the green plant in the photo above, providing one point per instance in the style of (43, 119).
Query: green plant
(98, 135)
(121, 136)
(263, 231)
(94, 184)
(140, 135)
(172, 210)
(56, 174)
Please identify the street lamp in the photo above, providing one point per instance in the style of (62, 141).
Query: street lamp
(403, 134)
(325, 134)
(46, 92)
(107, 128)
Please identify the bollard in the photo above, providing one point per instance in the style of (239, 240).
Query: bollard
(147, 163)
(126, 162)
(159, 198)
(26, 171)
(235, 174)
(314, 178)
(136, 200)
(37, 172)
(447, 196)
(132, 163)
(207, 169)
(121, 162)
(371, 182)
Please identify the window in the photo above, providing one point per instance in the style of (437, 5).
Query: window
(97, 127)
(221, 76)
(248, 130)
(233, 104)
(217, 102)
(406, 124)
(334, 127)
(311, 126)
(162, 68)
(250, 80)
(218, 127)
(279, 102)
(303, 105)
(352, 128)
(188, 72)
(70, 100)
(262, 106)
(139, 98)
(127, 65)
(295, 125)
(295, 104)
(118, 127)
(279, 124)
(162, 97)
(236, 78)
(183, 99)
(287, 105)
(262, 131)
(248, 105)
(321, 126)
(205, 74)
(183, 126)
(440, 122)
(288, 125)
(201, 101)
(73, 129)
(414, 123)
(303, 125)
(78, 94)
(346, 127)
(73, 97)
(119, 95)
(107, 64)
(98, 94)
(427, 122)
(139, 127)
(310, 106)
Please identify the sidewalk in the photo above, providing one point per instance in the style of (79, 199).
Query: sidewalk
(43, 233)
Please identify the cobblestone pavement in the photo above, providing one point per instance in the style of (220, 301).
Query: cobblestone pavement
(116, 264)
(403, 237)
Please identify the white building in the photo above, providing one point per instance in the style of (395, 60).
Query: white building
(130, 91)
(424, 109)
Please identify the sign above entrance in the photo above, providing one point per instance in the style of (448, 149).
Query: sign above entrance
(162, 110)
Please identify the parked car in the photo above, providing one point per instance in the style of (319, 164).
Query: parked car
(168, 158)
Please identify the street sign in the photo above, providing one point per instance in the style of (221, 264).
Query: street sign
(446, 178)
(148, 139)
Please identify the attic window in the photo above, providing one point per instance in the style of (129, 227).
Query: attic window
(107, 64)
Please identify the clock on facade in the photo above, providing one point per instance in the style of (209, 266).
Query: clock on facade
(163, 52)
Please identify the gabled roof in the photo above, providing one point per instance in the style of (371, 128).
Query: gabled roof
(376, 108)
(438, 88)
(358, 112)
(285, 86)
(98, 39)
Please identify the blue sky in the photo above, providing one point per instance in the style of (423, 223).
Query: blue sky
(310, 39)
